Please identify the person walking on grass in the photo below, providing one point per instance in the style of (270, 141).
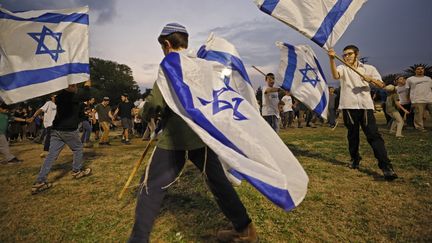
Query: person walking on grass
(358, 109)
(104, 117)
(124, 109)
(5, 118)
(393, 106)
(176, 142)
(70, 112)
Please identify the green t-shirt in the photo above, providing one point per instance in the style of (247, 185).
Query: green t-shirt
(176, 134)
(391, 103)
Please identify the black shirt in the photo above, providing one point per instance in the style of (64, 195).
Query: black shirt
(125, 109)
(70, 112)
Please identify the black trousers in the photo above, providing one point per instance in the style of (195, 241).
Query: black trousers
(353, 120)
(164, 168)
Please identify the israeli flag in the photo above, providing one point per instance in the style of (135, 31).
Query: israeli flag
(222, 51)
(231, 127)
(42, 52)
(322, 21)
(301, 74)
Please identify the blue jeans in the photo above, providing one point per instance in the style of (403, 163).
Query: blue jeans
(58, 140)
(87, 129)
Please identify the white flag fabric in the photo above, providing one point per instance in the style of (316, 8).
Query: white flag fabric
(232, 128)
(301, 74)
(322, 21)
(222, 51)
(42, 52)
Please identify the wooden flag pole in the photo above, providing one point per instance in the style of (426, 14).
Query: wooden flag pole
(135, 168)
(258, 70)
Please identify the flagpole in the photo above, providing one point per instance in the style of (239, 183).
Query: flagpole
(135, 169)
(378, 84)
(259, 70)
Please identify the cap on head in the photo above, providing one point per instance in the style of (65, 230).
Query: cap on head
(106, 98)
(173, 28)
(125, 95)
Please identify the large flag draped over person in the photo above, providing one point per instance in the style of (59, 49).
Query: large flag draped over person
(222, 51)
(322, 21)
(231, 127)
(42, 52)
(301, 74)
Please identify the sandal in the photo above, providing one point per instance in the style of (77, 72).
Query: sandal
(40, 187)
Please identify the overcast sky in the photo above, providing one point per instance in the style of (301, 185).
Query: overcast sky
(393, 34)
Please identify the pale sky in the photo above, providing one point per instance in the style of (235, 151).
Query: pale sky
(393, 34)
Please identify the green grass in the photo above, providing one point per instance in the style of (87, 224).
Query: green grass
(341, 205)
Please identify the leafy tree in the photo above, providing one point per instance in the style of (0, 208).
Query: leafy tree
(411, 70)
(112, 79)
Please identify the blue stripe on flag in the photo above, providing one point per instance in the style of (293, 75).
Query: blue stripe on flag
(291, 67)
(280, 197)
(172, 68)
(226, 59)
(321, 105)
(320, 69)
(330, 21)
(268, 6)
(28, 77)
(55, 18)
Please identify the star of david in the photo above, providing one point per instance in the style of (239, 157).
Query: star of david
(219, 105)
(306, 79)
(42, 48)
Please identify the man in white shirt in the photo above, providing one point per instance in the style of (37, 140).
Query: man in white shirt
(358, 109)
(403, 92)
(270, 101)
(420, 95)
(287, 111)
(50, 110)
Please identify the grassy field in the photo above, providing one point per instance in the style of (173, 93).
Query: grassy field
(342, 205)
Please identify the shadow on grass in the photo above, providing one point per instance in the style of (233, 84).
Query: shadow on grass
(306, 153)
(66, 167)
(297, 151)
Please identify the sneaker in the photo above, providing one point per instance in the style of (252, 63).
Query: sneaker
(355, 163)
(127, 142)
(248, 235)
(389, 174)
(81, 173)
(40, 187)
(14, 161)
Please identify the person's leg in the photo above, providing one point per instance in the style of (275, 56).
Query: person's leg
(74, 143)
(399, 123)
(375, 139)
(225, 195)
(164, 168)
(351, 122)
(47, 139)
(418, 115)
(105, 132)
(4, 148)
(86, 131)
(56, 146)
(290, 118)
(275, 123)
